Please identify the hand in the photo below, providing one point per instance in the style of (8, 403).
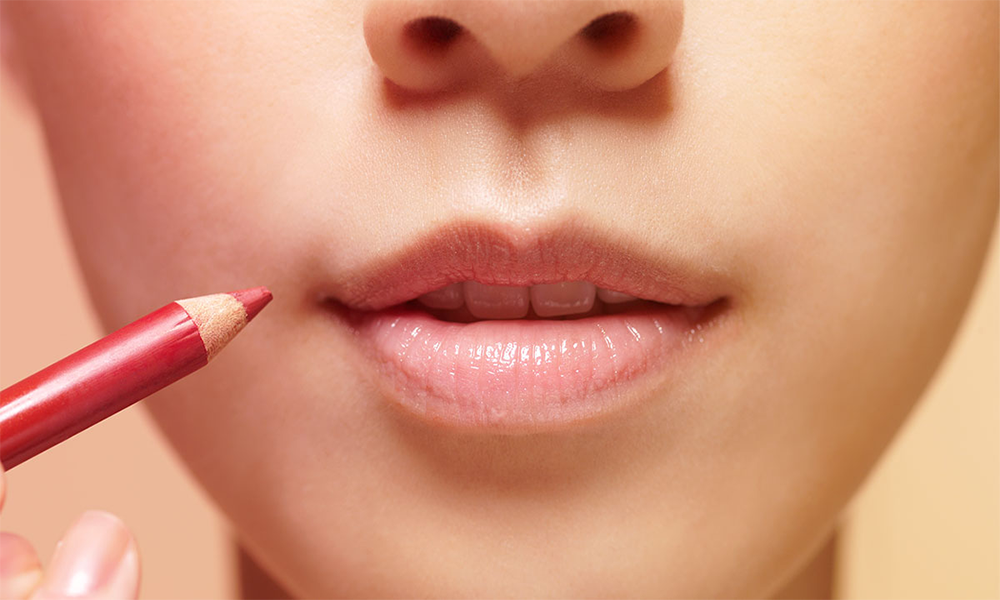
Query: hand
(96, 558)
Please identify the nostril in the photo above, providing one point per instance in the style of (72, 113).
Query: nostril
(433, 34)
(612, 31)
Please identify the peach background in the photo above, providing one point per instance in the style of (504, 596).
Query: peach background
(926, 525)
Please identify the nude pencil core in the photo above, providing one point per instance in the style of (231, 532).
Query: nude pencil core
(119, 369)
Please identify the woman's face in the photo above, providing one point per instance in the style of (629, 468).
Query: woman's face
(824, 175)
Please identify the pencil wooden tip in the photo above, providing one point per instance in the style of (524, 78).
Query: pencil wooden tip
(253, 299)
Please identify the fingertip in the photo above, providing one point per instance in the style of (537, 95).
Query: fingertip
(98, 556)
(20, 587)
(20, 569)
(125, 584)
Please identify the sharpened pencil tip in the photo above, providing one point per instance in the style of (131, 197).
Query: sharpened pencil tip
(254, 299)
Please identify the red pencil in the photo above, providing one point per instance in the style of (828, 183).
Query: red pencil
(119, 369)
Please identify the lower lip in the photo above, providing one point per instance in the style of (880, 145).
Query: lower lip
(522, 376)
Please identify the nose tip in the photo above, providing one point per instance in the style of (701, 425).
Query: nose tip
(427, 45)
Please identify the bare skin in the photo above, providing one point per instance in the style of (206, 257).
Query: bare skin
(834, 164)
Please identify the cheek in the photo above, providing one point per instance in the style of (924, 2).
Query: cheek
(868, 216)
(864, 183)
(885, 164)
(175, 178)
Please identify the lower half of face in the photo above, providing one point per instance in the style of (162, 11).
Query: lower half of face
(823, 175)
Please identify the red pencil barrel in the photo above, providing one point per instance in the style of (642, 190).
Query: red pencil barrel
(97, 381)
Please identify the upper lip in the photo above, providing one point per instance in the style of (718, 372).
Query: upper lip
(498, 255)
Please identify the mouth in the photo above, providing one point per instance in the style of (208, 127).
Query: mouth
(479, 328)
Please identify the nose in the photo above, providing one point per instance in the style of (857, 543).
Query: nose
(429, 45)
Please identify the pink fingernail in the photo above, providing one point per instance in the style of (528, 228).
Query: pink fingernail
(94, 555)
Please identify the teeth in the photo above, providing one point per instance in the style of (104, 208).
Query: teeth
(496, 301)
(450, 296)
(512, 302)
(567, 298)
(613, 297)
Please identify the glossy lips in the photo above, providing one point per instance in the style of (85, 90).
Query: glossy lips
(514, 374)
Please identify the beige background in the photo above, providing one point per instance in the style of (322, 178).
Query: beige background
(926, 525)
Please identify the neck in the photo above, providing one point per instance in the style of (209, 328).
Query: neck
(816, 578)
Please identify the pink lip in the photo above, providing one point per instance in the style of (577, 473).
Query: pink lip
(525, 375)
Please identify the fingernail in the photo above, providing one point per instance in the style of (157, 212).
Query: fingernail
(20, 571)
(96, 555)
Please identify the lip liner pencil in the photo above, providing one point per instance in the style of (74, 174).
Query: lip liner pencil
(119, 369)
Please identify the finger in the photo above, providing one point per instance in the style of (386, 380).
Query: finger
(97, 557)
(20, 571)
